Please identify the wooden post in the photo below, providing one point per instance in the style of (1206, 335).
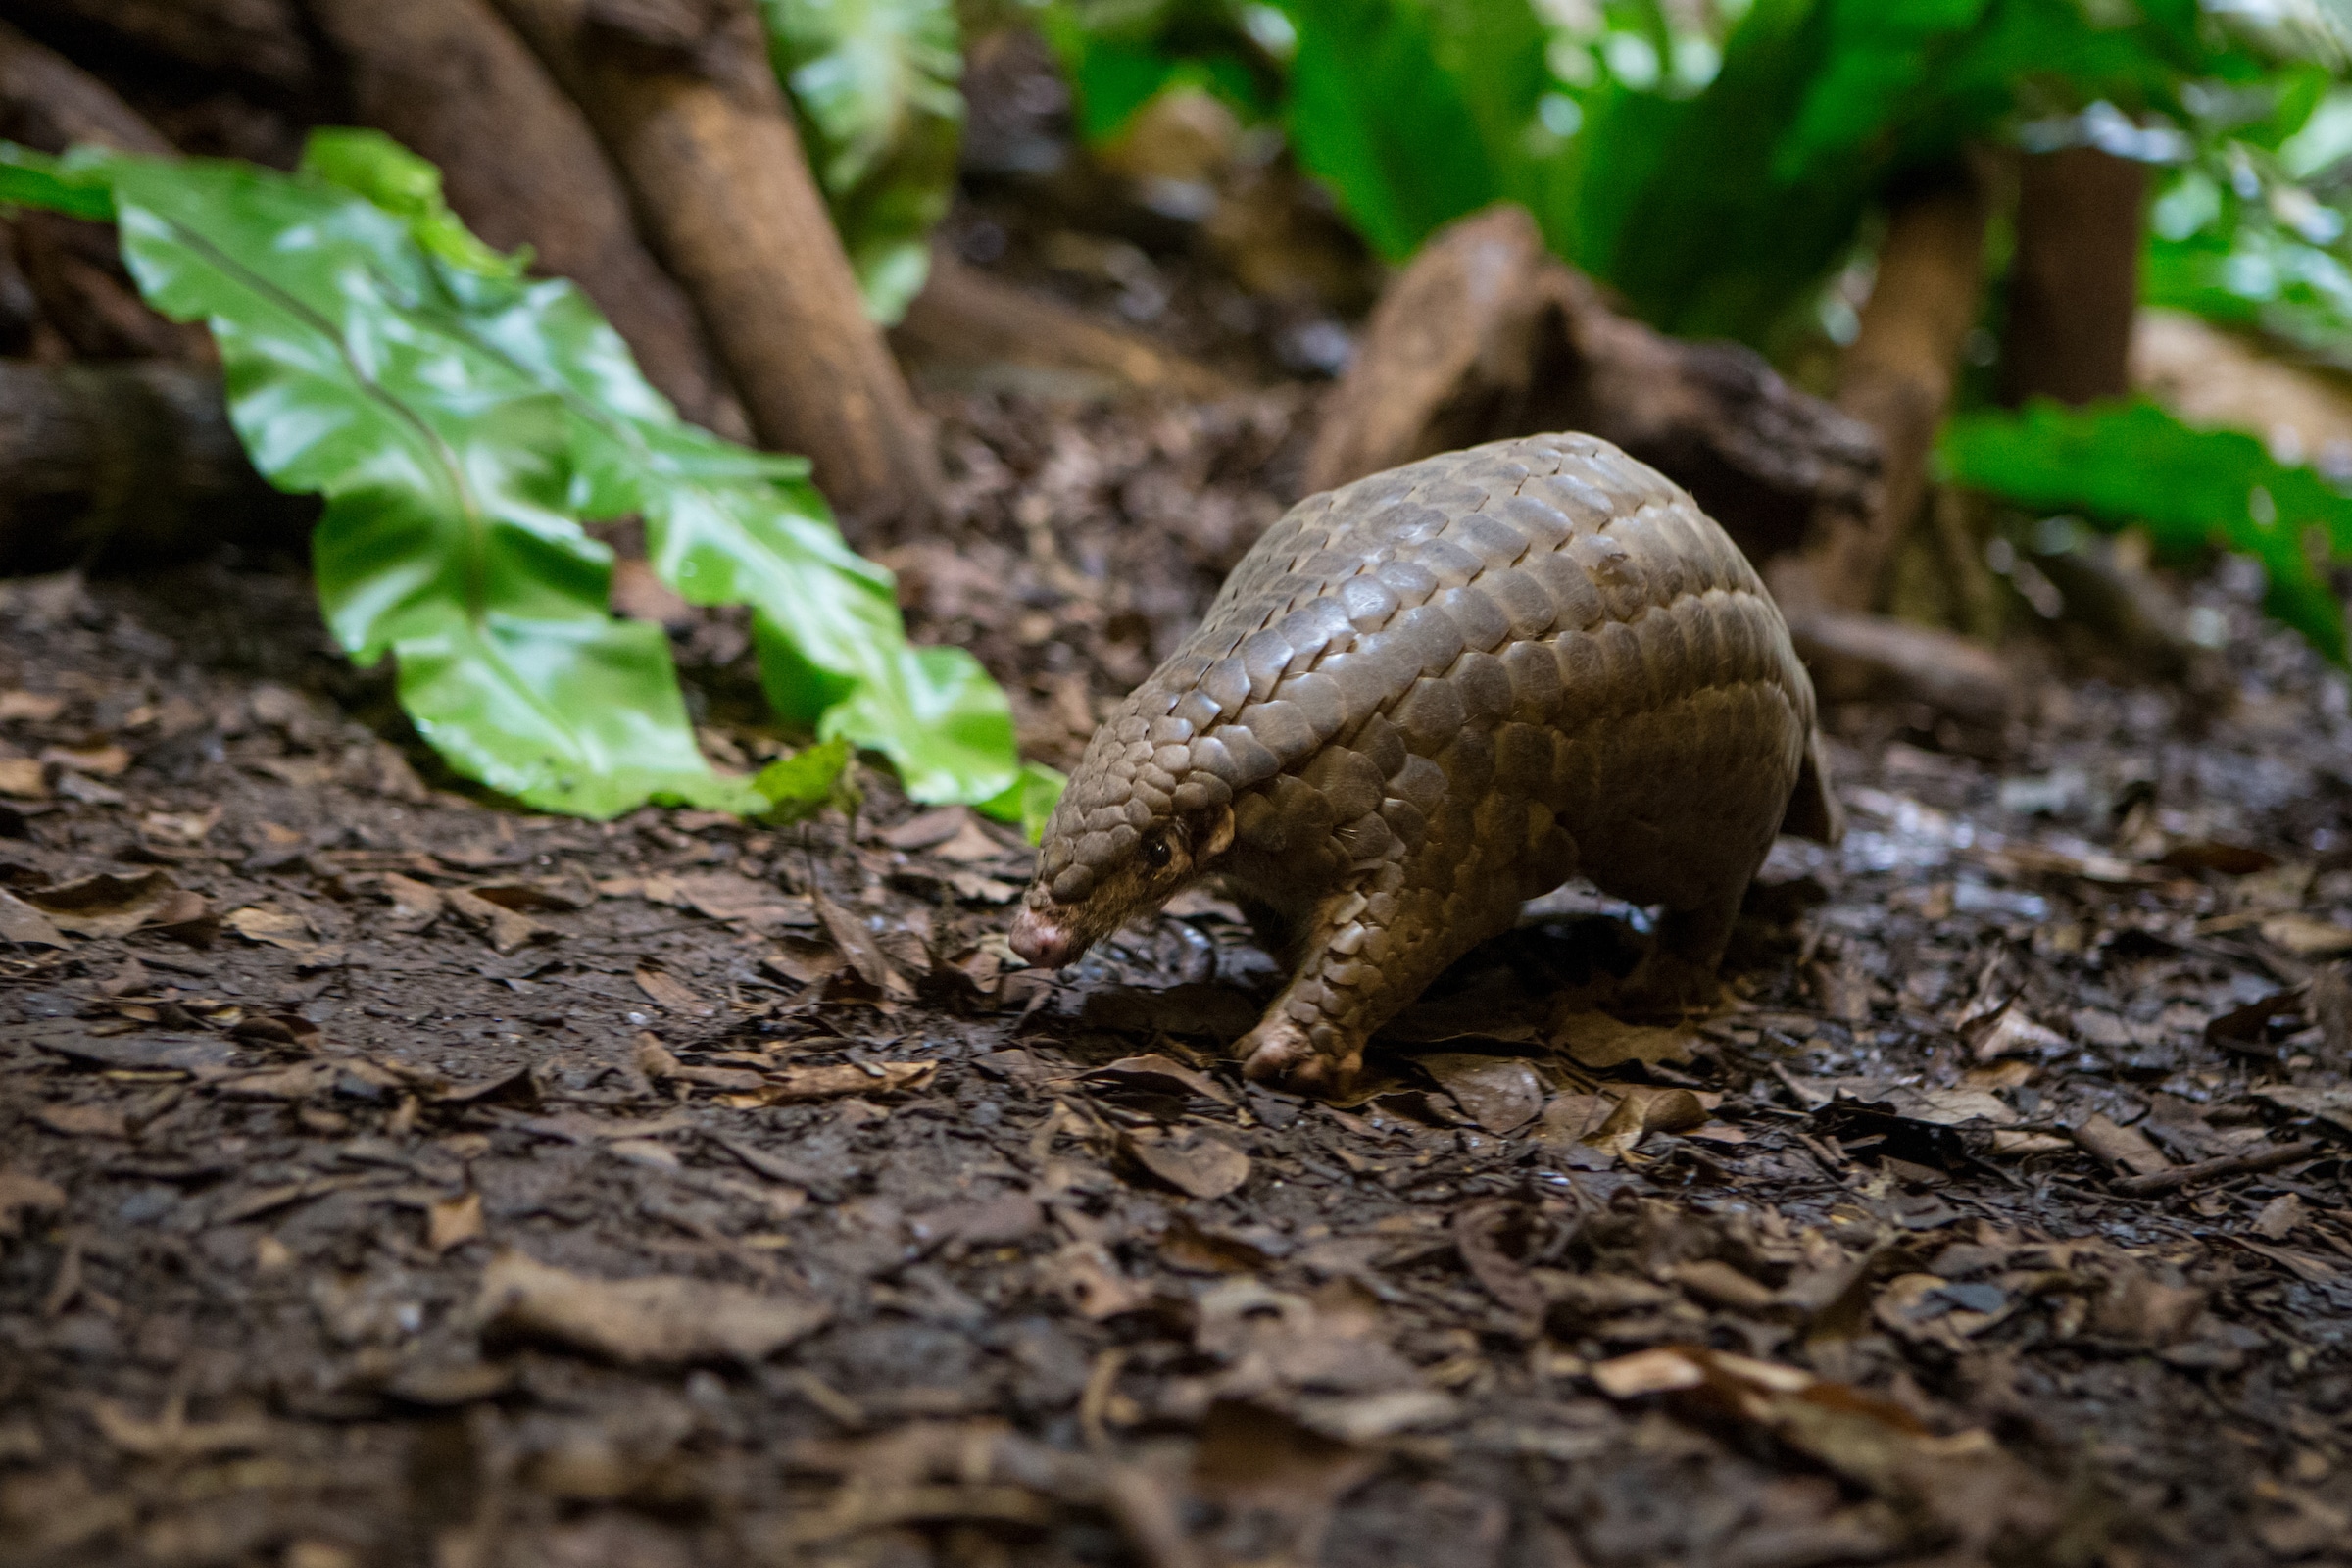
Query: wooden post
(2074, 287)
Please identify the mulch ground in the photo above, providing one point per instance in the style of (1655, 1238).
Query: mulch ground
(387, 1177)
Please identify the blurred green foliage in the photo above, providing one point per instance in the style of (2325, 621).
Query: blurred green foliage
(1718, 164)
(2192, 489)
(874, 85)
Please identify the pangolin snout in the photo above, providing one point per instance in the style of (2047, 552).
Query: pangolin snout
(1041, 939)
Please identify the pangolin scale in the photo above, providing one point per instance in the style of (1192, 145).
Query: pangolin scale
(1427, 696)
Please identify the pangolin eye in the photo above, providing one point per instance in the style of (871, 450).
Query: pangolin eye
(1156, 853)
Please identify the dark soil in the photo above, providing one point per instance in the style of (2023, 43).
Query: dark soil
(956, 1263)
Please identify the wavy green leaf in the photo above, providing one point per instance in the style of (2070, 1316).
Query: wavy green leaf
(874, 83)
(445, 542)
(2132, 461)
(462, 423)
(797, 787)
(1118, 55)
(370, 163)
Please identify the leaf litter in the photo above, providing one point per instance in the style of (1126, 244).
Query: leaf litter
(446, 1182)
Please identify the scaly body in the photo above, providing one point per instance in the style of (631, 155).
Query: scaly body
(1427, 696)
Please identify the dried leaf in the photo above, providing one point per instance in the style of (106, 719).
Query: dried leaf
(2306, 937)
(663, 1320)
(998, 1221)
(858, 945)
(847, 1078)
(454, 1221)
(523, 894)
(1646, 1109)
(1195, 1248)
(174, 1436)
(926, 828)
(414, 904)
(31, 708)
(104, 904)
(273, 927)
(2279, 1218)
(85, 1121)
(1501, 1093)
(668, 993)
(23, 1197)
(1156, 1073)
(1192, 1162)
(2011, 1033)
(2328, 1104)
(1257, 1459)
(22, 778)
(1085, 1275)
(2215, 854)
(25, 926)
(1596, 1040)
(507, 930)
(91, 761)
(970, 846)
(1479, 1230)
(2125, 1147)
(725, 896)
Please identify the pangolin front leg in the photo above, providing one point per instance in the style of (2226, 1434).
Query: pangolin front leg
(1370, 948)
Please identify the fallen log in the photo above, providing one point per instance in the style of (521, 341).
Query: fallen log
(1862, 657)
(965, 319)
(683, 96)
(1484, 335)
(71, 268)
(128, 465)
(450, 80)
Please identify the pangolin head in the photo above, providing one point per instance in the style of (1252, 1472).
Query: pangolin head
(1137, 824)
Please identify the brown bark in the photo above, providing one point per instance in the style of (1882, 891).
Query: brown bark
(1859, 657)
(73, 269)
(2073, 286)
(1485, 336)
(130, 465)
(519, 164)
(49, 104)
(683, 94)
(1897, 378)
(964, 318)
(259, 40)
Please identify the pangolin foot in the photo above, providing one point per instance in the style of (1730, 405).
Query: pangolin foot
(1279, 1052)
(1668, 987)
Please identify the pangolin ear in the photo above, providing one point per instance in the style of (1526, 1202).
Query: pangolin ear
(1219, 838)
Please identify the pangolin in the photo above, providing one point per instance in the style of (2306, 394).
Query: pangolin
(1426, 697)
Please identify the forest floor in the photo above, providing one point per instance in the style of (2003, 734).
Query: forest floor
(386, 1177)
